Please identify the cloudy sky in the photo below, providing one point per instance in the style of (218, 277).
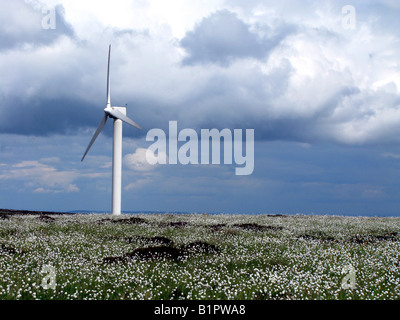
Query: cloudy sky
(318, 84)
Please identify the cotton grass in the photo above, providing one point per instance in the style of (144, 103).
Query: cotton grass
(296, 257)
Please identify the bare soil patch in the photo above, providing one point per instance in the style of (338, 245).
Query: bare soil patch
(256, 227)
(165, 252)
(150, 240)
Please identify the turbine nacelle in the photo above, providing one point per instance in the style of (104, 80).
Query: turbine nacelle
(120, 113)
(109, 111)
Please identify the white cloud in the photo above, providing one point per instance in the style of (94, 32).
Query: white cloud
(40, 178)
(137, 184)
(141, 173)
(72, 188)
(138, 161)
(391, 155)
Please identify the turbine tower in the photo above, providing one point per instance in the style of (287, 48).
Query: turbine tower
(119, 115)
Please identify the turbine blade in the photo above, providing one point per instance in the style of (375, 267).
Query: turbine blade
(108, 78)
(96, 134)
(119, 115)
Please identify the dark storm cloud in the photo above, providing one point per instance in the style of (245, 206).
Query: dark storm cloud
(42, 117)
(22, 23)
(46, 117)
(50, 116)
(294, 89)
(223, 37)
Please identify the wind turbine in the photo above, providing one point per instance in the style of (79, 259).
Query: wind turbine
(119, 115)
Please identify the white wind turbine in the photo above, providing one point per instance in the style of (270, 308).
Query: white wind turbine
(119, 115)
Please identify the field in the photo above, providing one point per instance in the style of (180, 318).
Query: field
(198, 256)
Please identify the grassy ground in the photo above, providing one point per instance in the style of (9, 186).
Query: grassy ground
(225, 257)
